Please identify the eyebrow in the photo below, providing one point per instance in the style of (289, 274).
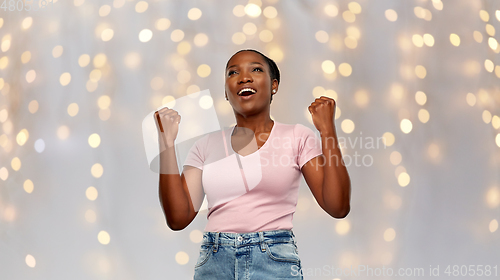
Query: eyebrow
(255, 62)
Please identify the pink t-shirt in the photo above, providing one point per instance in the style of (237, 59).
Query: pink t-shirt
(259, 191)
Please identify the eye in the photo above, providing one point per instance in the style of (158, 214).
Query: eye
(230, 72)
(260, 69)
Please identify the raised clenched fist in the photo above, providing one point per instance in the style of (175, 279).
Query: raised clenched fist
(322, 112)
(167, 122)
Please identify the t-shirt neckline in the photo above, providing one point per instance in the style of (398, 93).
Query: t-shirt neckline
(267, 140)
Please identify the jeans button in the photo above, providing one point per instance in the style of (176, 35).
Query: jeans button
(240, 238)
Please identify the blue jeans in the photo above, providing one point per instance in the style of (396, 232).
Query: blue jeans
(251, 256)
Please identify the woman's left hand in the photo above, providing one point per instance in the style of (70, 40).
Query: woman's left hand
(322, 112)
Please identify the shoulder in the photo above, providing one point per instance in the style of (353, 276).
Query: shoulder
(301, 130)
(291, 127)
(298, 130)
(203, 141)
(213, 138)
(284, 129)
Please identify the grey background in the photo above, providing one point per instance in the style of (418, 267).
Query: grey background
(443, 219)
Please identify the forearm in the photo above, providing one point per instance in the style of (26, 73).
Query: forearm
(336, 182)
(174, 197)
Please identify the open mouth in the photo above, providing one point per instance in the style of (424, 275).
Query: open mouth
(246, 92)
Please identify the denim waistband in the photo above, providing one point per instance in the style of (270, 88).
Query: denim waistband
(247, 238)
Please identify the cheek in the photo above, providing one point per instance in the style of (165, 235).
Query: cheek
(265, 81)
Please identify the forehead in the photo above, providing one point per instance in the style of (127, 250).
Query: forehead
(246, 57)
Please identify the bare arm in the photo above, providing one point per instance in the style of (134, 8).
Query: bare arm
(326, 175)
(180, 194)
(328, 179)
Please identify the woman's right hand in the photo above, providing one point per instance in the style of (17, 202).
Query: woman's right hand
(167, 122)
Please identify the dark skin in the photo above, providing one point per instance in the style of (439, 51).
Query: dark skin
(327, 179)
(249, 69)
(181, 195)
(326, 175)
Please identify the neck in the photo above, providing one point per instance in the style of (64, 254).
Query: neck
(257, 125)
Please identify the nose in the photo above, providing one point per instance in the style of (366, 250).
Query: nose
(245, 77)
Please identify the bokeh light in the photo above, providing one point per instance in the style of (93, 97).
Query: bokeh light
(107, 34)
(162, 24)
(342, 227)
(97, 170)
(493, 197)
(104, 10)
(196, 236)
(420, 97)
(33, 106)
(63, 132)
(347, 126)
(403, 179)
(65, 78)
(423, 115)
(57, 51)
(252, 10)
(145, 35)
(91, 193)
(30, 261)
(331, 10)
(389, 234)
(388, 139)
(328, 66)
(194, 14)
(396, 158)
(493, 226)
(4, 173)
(361, 98)
(39, 145)
(28, 186)
(22, 137)
(103, 237)
(94, 140)
(84, 60)
(73, 109)
(270, 12)
(203, 70)
(15, 163)
(406, 126)
(345, 69)
(141, 6)
(391, 15)
(455, 39)
(104, 101)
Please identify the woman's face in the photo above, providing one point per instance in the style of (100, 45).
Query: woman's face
(248, 69)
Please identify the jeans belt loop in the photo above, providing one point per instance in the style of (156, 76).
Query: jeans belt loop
(216, 245)
(262, 245)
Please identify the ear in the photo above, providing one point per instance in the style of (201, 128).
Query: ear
(274, 86)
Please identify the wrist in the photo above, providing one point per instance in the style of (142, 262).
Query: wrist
(170, 144)
(328, 133)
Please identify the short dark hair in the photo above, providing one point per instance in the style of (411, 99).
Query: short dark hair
(274, 71)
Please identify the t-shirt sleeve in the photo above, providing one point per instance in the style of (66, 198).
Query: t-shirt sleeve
(196, 155)
(309, 145)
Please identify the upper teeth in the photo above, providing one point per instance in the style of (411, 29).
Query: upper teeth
(246, 89)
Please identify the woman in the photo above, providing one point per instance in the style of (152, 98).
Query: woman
(251, 175)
